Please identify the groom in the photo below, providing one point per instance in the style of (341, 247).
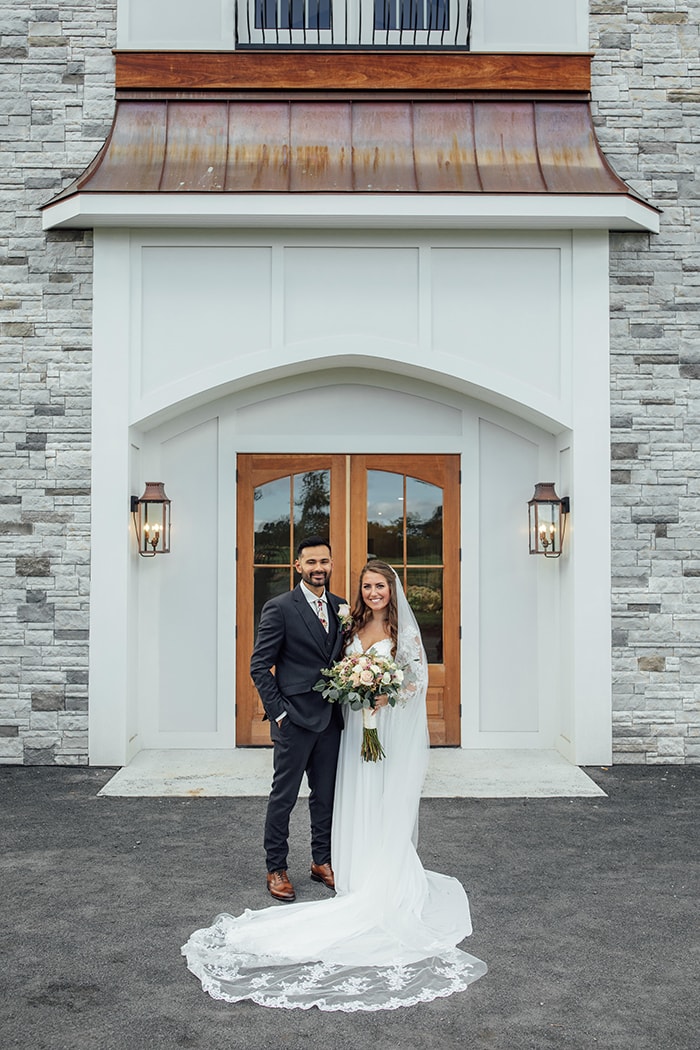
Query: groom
(299, 633)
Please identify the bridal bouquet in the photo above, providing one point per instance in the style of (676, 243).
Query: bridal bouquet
(358, 679)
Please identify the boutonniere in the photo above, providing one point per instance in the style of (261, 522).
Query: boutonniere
(345, 616)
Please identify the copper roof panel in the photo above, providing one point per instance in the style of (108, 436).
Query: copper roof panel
(195, 157)
(132, 160)
(322, 145)
(506, 147)
(382, 147)
(258, 147)
(570, 158)
(443, 145)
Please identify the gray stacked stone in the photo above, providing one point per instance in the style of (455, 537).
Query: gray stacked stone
(56, 105)
(646, 97)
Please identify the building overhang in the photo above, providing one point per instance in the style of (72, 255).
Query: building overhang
(361, 140)
(379, 211)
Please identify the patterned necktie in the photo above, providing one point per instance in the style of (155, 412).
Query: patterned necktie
(321, 612)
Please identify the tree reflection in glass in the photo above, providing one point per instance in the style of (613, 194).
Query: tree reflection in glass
(285, 511)
(404, 528)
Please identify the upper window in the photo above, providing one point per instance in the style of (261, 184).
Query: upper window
(411, 14)
(292, 14)
(368, 23)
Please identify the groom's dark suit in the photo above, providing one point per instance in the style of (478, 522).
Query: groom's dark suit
(292, 639)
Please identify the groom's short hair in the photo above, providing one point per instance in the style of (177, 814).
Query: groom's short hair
(313, 541)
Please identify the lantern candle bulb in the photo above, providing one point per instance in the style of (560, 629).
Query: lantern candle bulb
(154, 537)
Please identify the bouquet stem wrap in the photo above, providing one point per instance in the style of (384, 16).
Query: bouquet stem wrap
(372, 750)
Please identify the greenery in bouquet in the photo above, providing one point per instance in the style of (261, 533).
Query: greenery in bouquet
(357, 680)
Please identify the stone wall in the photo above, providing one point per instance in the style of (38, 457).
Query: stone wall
(646, 90)
(56, 104)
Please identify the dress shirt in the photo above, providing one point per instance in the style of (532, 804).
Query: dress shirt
(312, 599)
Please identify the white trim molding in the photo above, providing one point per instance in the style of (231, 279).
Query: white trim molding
(347, 211)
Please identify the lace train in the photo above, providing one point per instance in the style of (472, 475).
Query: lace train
(388, 939)
(380, 945)
(226, 973)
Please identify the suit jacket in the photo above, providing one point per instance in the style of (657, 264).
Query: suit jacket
(292, 639)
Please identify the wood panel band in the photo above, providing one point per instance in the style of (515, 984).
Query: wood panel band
(340, 70)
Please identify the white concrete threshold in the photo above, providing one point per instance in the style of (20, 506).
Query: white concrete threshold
(452, 773)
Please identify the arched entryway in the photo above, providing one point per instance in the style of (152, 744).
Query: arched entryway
(491, 613)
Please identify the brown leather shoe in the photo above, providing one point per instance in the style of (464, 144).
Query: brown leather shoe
(323, 873)
(279, 886)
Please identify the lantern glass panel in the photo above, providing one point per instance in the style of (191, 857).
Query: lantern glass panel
(155, 526)
(545, 527)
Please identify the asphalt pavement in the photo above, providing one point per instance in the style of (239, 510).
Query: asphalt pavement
(585, 909)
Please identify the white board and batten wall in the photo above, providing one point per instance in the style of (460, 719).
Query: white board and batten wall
(490, 346)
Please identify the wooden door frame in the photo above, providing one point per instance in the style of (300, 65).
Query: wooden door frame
(348, 473)
(254, 469)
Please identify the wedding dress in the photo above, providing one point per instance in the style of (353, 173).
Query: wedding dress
(388, 938)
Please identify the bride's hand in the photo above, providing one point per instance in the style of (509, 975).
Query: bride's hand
(381, 701)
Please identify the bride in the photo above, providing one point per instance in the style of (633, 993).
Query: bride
(388, 938)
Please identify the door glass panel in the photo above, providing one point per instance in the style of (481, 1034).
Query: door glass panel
(271, 517)
(423, 523)
(424, 593)
(285, 511)
(404, 528)
(385, 519)
(268, 583)
(312, 504)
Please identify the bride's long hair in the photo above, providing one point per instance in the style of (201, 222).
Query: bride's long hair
(361, 613)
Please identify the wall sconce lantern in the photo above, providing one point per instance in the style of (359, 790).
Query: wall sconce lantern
(151, 516)
(547, 516)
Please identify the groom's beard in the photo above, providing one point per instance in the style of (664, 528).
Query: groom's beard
(317, 578)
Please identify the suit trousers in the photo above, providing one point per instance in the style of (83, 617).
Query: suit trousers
(297, 751)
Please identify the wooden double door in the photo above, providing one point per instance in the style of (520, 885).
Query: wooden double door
(401, 509)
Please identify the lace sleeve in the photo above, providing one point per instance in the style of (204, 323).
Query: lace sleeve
(410, 654)
(411, 658)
